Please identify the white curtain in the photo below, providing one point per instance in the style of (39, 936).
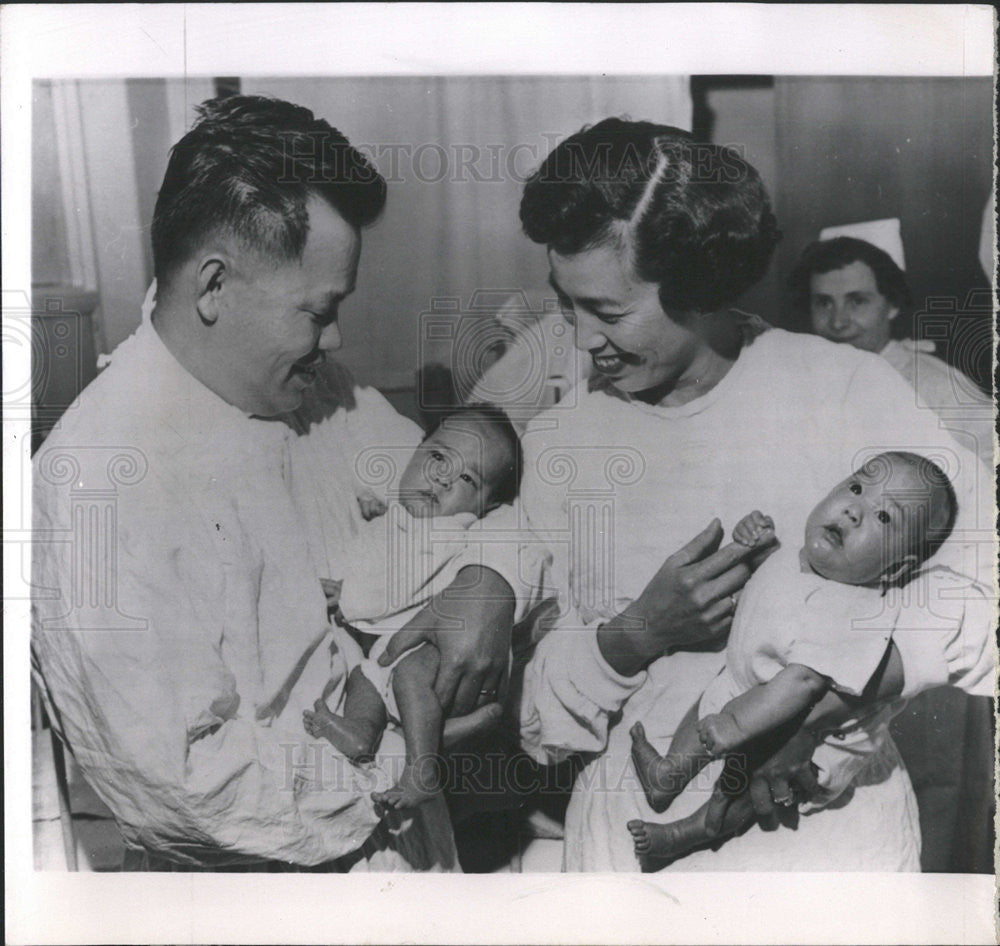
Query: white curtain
(99, 152)
(456, 151)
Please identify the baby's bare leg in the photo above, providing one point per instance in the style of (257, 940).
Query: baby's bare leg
(422, 719)
(357, 733)
(656, 845)
(663, 778)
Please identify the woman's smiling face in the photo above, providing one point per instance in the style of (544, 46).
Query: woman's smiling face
(618, 319)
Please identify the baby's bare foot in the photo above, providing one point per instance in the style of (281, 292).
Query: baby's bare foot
(662, 777)
(720, 733)
(356, 739)
(656, 845)
(419, 782)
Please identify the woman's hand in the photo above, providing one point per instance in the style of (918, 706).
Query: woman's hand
(786, 778)
(470, 624)
(689, 603)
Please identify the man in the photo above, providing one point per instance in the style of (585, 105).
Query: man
(180, 627)
(853, 292)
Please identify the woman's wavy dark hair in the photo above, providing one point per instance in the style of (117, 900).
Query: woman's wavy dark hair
(248, 167)
(695, 217)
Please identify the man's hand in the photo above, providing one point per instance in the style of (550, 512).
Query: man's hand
(462, 729)
(688, 603)
(470, 624)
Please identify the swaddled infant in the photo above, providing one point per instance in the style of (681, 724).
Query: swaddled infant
(468, 466)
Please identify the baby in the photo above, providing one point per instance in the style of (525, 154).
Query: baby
(469, 465)
(793, 638)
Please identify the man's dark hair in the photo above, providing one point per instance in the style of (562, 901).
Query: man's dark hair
(248, 167)
(506, 490)
(695, 217)
(826, 256)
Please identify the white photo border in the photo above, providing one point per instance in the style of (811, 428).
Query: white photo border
(132, 40)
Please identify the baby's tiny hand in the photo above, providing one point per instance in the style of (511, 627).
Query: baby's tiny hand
(371, 506)
(755, 529)
(720, 733)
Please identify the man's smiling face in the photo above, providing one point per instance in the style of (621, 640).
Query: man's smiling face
(282, 316)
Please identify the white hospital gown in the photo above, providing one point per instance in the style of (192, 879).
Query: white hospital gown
(180, 628)
(614, 487)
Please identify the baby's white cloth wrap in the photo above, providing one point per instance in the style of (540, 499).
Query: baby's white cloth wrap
(397, 563)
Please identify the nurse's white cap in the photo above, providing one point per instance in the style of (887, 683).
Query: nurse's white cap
(881, 233)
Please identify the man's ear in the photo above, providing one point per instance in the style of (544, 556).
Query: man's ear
(212, 275)
(893, 312)
(900, 572)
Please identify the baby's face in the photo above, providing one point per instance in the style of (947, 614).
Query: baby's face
(454, 470)
(870, 522)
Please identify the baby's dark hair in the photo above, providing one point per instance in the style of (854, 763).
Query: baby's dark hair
(942, 496)
(506, 489)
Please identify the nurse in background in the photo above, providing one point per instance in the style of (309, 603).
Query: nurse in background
(854, 292)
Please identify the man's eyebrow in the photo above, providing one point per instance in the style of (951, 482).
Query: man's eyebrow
(589, 302)
(329, 299)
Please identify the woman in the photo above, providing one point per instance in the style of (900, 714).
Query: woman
(853, 293)
(695, 412)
